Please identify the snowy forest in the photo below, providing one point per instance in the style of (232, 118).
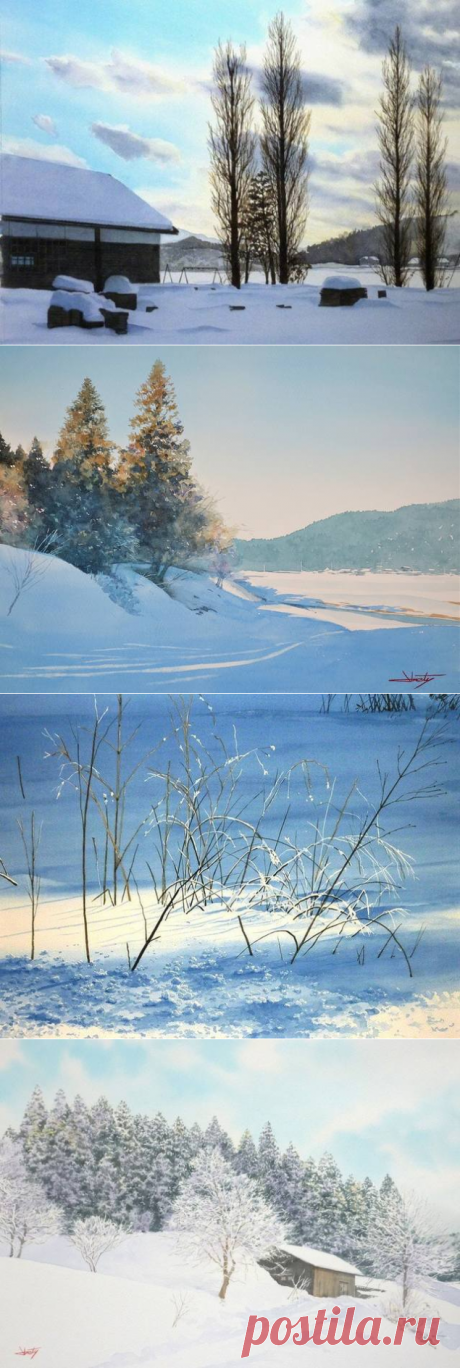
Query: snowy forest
(95, 505)
(96, 1172)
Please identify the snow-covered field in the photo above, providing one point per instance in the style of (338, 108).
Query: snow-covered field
(123, 1317)
(199, 312)
(273, 632)
(198, 979)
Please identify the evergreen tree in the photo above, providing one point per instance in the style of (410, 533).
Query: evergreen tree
(269, 1166)
(6, 453)
(292, 1204)
(80, 511)
(246, 1157)
(37, 477)
(328, 1210)
(260, 227)
(169, 513)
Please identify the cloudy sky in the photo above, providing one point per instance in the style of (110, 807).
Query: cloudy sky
(123, 86)
(300, 434)
(378, 1106)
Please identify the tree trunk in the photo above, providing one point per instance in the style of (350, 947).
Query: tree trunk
(225, 1284)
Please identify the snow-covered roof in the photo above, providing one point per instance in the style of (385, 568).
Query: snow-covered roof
(318, 1259)
(55, 192)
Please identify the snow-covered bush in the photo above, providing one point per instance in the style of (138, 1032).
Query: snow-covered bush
(94, 1237)
(26, 1215)
(221, 1216)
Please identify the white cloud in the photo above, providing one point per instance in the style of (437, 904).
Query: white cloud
(11, 1052)
(26, 147)
(120, 73)
(15, 58)
(46, 123)
(130, 146)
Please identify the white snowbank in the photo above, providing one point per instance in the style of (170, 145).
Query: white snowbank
(66, 282)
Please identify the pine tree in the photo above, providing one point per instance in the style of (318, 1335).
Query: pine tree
(92, 534)
(328, 1212)
(292, 1203)
(269, 1166)
(260, 226)
(246, 1157)
(37, 477)
(6, 453)
(170, 515)
(14, 513)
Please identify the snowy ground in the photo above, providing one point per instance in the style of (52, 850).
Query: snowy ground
(324, 632)
(198, 978)
(123, 1316)
(202, 313)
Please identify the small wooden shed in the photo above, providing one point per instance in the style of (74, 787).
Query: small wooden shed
(319, 1273)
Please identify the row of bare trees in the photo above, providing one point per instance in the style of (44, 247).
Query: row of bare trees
(411, 193)
(259, 185)
(259, 181)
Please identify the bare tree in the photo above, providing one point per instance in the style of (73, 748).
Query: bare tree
(431, 194)
(232, 147)
(31, 838)
(26, 1215)
(27, 567)
(94, 1236)
(405, 1241)
(284, 141)
(221, 1216)
(395, 134)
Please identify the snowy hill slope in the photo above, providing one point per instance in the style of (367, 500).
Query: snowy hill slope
(65, 629)
(124, 1316)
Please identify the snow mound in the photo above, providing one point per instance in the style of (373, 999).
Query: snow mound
(66, 282)
(120, 285)
(342, 282)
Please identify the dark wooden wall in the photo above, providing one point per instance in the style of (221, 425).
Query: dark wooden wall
(53, 256)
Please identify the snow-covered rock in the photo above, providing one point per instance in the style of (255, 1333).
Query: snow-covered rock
(342, 282)
(66, 282)
(120, 284)
(89, 305)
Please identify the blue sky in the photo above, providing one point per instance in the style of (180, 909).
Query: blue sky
(282, 436)
(377, 1105)
(123, 86)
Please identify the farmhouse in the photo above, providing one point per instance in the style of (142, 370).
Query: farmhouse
(320, 1274)
(63, 220)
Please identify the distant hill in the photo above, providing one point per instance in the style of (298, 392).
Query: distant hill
(423, 537)
(191, 251)
(350, 248)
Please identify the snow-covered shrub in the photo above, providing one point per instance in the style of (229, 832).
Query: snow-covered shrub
(94, 1237)
(221, 1216)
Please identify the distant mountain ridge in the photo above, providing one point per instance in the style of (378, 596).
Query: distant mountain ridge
(418, 537)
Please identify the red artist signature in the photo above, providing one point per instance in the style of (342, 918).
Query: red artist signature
(27, 1353)
(418, 680)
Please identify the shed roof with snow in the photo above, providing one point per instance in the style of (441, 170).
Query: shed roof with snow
(53, 192)
(318, 1259)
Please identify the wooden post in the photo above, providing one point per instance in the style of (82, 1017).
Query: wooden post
(98, 281)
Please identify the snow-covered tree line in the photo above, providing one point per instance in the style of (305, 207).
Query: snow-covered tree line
(96, 1174)
(105, 1161)
(97, 505)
